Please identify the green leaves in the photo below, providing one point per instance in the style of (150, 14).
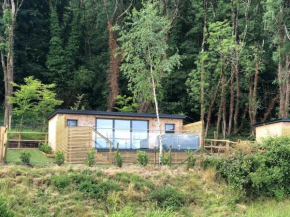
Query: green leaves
(144, 46)
(35, 98)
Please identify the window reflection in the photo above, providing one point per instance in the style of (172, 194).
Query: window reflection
(120, 131)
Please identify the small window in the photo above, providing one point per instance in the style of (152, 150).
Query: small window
(169, 128)
(72, 123)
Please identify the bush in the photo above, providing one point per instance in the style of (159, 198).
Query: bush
(60, 181)
(211, 161)
(45, 147)
(59, 158)
(98, 191)
(165, 160)
(25, 157)
(90, 160)
(261, 173)
(142, 158)
(168, 197)
(4, 210)
(118, 159)
(190, 159)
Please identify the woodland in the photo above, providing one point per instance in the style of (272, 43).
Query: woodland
(225, 62)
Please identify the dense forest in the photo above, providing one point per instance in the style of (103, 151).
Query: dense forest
(232, 69)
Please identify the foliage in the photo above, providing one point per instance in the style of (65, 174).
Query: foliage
(190, 159)
(118, 159)
(125, 104)
(99, 190)
(34, 97)
(142, 158)
(90, 160)
(45, 147)
(25, 157)
(60, 181)
(261, 173)
(59, 158)
(165, 160)
(4, 210)
(211, 161)
(145, 63)
(166, 196)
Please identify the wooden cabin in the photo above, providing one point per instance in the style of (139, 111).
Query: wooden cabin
(77, 131)
(280, 127)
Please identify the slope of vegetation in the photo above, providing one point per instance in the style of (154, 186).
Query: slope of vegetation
(130, 191)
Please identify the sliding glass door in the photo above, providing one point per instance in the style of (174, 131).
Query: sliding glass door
(130, 134)
(139, 134)
(122, 134)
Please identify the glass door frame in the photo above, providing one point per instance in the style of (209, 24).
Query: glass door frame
(131, 130)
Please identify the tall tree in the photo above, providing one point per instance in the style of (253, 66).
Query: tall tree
(144, 47)
(9, 12)
(277, 20)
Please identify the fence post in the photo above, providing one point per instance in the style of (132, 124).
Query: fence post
(19, 138)
(155, 152)
(228, 146)
(170, 149)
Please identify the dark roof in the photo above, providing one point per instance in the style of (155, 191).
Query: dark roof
(123, 114)
(272, 122)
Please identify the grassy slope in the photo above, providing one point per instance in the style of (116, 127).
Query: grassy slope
(37, 157)
(31, 192)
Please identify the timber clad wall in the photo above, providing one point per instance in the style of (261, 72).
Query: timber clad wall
(272, 130)
(73, 141)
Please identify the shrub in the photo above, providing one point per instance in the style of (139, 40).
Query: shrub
(25, 157)
(45, 147)
(4, 210)
(261, 173)
(168, 197)
(98, 191)
(190, 159)
(165, 160)
(142, 158)
(59, 158)
(211, 161)
(90, 160)
(118, 159)
(60, 181)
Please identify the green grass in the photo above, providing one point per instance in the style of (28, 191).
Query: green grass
(37, 157)
(268, 208)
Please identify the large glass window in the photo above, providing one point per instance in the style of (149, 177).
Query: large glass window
(130, 134)
(105, 127)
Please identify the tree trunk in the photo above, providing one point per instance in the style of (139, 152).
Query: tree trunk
(270, 107)
(7, 60)
(157, 115)
(202, 91)
(114, 69)
(231, 102)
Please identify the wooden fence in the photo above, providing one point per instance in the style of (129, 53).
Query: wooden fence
(19, 140)
(3, 143)
(224, 146)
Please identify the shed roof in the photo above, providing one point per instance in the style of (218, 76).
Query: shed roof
(272, 122)
(122, 114)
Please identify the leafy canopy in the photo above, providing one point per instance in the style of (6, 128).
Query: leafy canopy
(144, 47)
